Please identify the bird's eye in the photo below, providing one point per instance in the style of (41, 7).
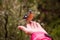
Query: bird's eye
(25, 17)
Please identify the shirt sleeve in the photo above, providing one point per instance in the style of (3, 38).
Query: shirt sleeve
(39, 36)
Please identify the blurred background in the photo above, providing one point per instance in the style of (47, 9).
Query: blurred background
(47, 13)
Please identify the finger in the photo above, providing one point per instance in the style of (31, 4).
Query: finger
(41, 28)
(38, 25)
(22, 28)
(34, 24)
(28, 26)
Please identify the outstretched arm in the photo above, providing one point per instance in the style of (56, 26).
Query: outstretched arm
(35, 31)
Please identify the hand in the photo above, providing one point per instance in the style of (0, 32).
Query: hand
(32, 27)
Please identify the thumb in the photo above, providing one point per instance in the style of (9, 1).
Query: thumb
(22, 28)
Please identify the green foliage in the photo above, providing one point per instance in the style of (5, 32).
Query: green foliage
(31, 1)
(0, 2)
(20, 0)
(52, 17)
(49, 13)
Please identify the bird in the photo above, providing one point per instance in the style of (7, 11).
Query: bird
(29, 16)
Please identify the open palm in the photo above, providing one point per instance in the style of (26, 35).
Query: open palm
(32, 27)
